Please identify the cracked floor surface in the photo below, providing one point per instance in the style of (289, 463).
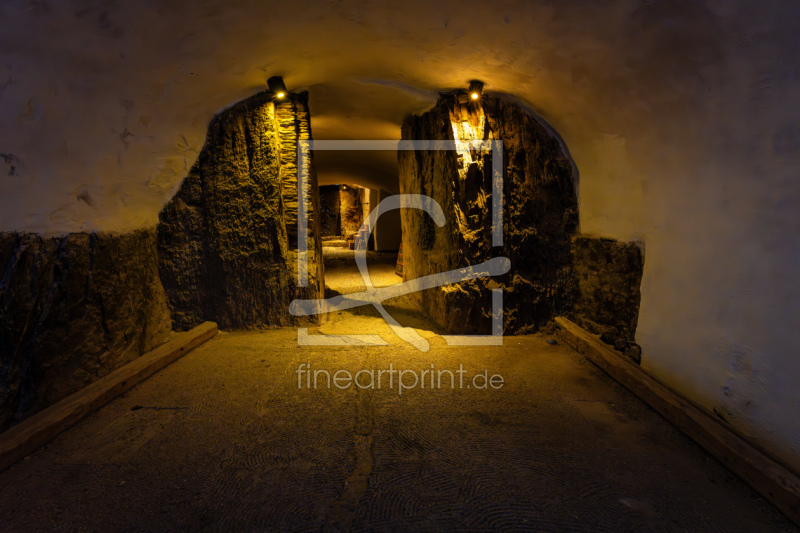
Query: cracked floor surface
(224, 440)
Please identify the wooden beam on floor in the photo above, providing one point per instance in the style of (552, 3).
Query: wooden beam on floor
(774, 481)
(27, 436)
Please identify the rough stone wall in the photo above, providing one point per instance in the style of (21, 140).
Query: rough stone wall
(293, 124)
(72, 309)
(227, 241)
(608, 277)
(351, 210)
(540, 215)
(330, 220)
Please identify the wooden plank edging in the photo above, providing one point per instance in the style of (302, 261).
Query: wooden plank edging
(30, 434)
(774, 481)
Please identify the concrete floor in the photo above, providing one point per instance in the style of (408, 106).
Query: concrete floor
(224, 440)
(343, 277)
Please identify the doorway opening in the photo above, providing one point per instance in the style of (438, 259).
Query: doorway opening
(344, 208)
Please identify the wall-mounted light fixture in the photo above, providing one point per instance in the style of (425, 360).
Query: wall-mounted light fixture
(475, 89)
(277, 86)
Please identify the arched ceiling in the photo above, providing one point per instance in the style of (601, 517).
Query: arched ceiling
(104, 105)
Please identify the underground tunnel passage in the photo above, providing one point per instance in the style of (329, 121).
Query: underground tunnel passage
(228, 240)
(515, 267)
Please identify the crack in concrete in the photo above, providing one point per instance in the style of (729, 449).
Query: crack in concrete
(341, 516)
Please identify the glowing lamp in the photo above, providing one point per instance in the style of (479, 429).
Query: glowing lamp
(277, 86)
(475, 89)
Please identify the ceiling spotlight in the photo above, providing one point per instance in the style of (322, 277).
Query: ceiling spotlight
(475, 89)
(277, 86)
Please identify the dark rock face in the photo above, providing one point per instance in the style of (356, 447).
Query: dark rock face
(227, 241)
(330, 221)
(540, 215)
(73, 309)
(351, 210)
(608, 277)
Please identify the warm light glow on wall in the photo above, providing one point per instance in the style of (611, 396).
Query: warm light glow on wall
(464, 132)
